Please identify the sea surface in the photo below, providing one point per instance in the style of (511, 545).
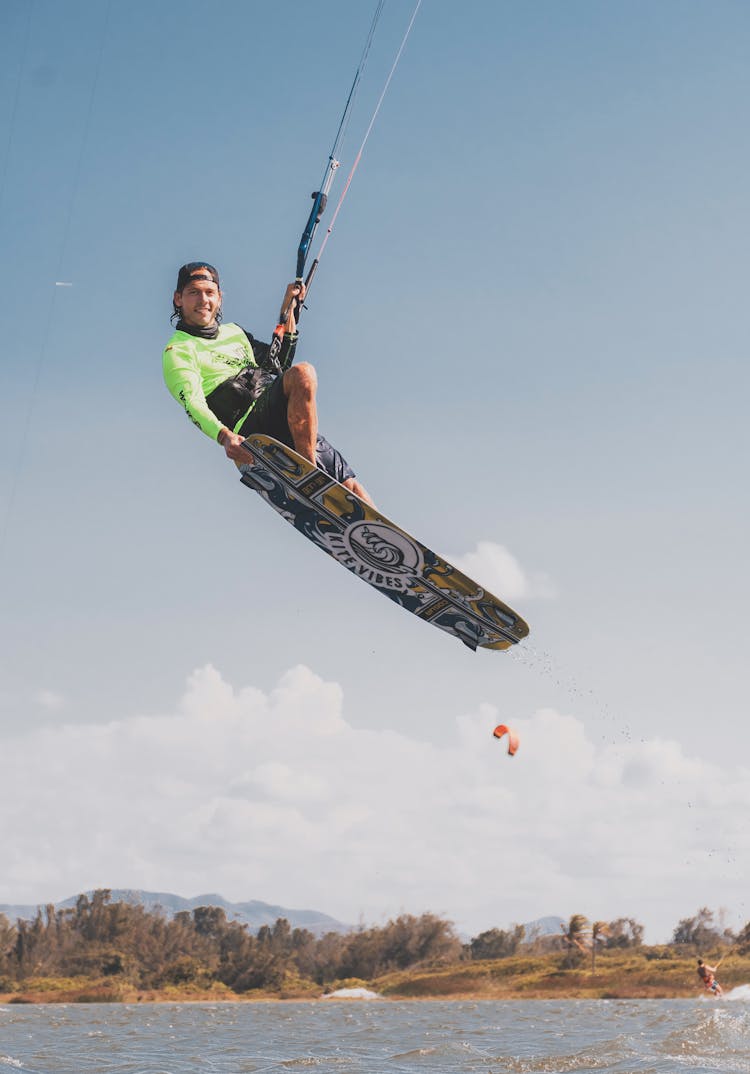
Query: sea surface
(380, 1037)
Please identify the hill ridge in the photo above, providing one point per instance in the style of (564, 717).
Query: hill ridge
(251, 912)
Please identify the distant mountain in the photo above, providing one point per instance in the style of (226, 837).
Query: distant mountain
(543, 926)
(254, 914)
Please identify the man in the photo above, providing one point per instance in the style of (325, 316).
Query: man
(707, 974)
(229, 385)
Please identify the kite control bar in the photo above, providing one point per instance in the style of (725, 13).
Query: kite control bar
(276, 353)
(320, 200)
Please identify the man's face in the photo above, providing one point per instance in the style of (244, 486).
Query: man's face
(198, 303)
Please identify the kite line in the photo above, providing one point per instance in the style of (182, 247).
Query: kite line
(320, 197)
(358, 157)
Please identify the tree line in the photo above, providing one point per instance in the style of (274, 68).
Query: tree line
(101, 938)
(145, 948)
(692, 935)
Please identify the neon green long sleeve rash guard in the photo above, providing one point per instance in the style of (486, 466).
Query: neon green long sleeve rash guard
(193, 367)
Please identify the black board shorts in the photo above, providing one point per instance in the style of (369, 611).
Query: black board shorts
(268, 416)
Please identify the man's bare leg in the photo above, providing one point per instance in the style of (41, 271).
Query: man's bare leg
(300, 384)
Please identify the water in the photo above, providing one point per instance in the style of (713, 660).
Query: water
(380, 1037)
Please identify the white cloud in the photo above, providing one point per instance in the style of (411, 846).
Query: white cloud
(498, 570)
(275, 796)
(49, 699)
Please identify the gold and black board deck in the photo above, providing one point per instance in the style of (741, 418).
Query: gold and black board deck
(377, 550)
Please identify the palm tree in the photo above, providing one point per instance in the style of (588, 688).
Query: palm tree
(599, 933)
(575, 939)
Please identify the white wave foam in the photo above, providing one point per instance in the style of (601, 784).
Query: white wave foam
(351, 993)
(741, 993)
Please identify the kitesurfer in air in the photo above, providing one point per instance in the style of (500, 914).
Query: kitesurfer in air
(707, 974)
(228, 384)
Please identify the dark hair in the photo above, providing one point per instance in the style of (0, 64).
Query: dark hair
(196, 270)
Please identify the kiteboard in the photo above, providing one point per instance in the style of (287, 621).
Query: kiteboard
(368, 544)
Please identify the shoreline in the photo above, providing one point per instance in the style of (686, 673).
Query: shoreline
(133, 997)
(622, 975)
(17, 1001)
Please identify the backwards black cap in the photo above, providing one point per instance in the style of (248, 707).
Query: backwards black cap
(196, 270)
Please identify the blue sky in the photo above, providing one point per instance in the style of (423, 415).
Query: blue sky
(529, 329)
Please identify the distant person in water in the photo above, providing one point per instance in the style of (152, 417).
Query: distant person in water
(707, 974)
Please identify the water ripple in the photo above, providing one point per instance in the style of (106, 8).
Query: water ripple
(440, 1037)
